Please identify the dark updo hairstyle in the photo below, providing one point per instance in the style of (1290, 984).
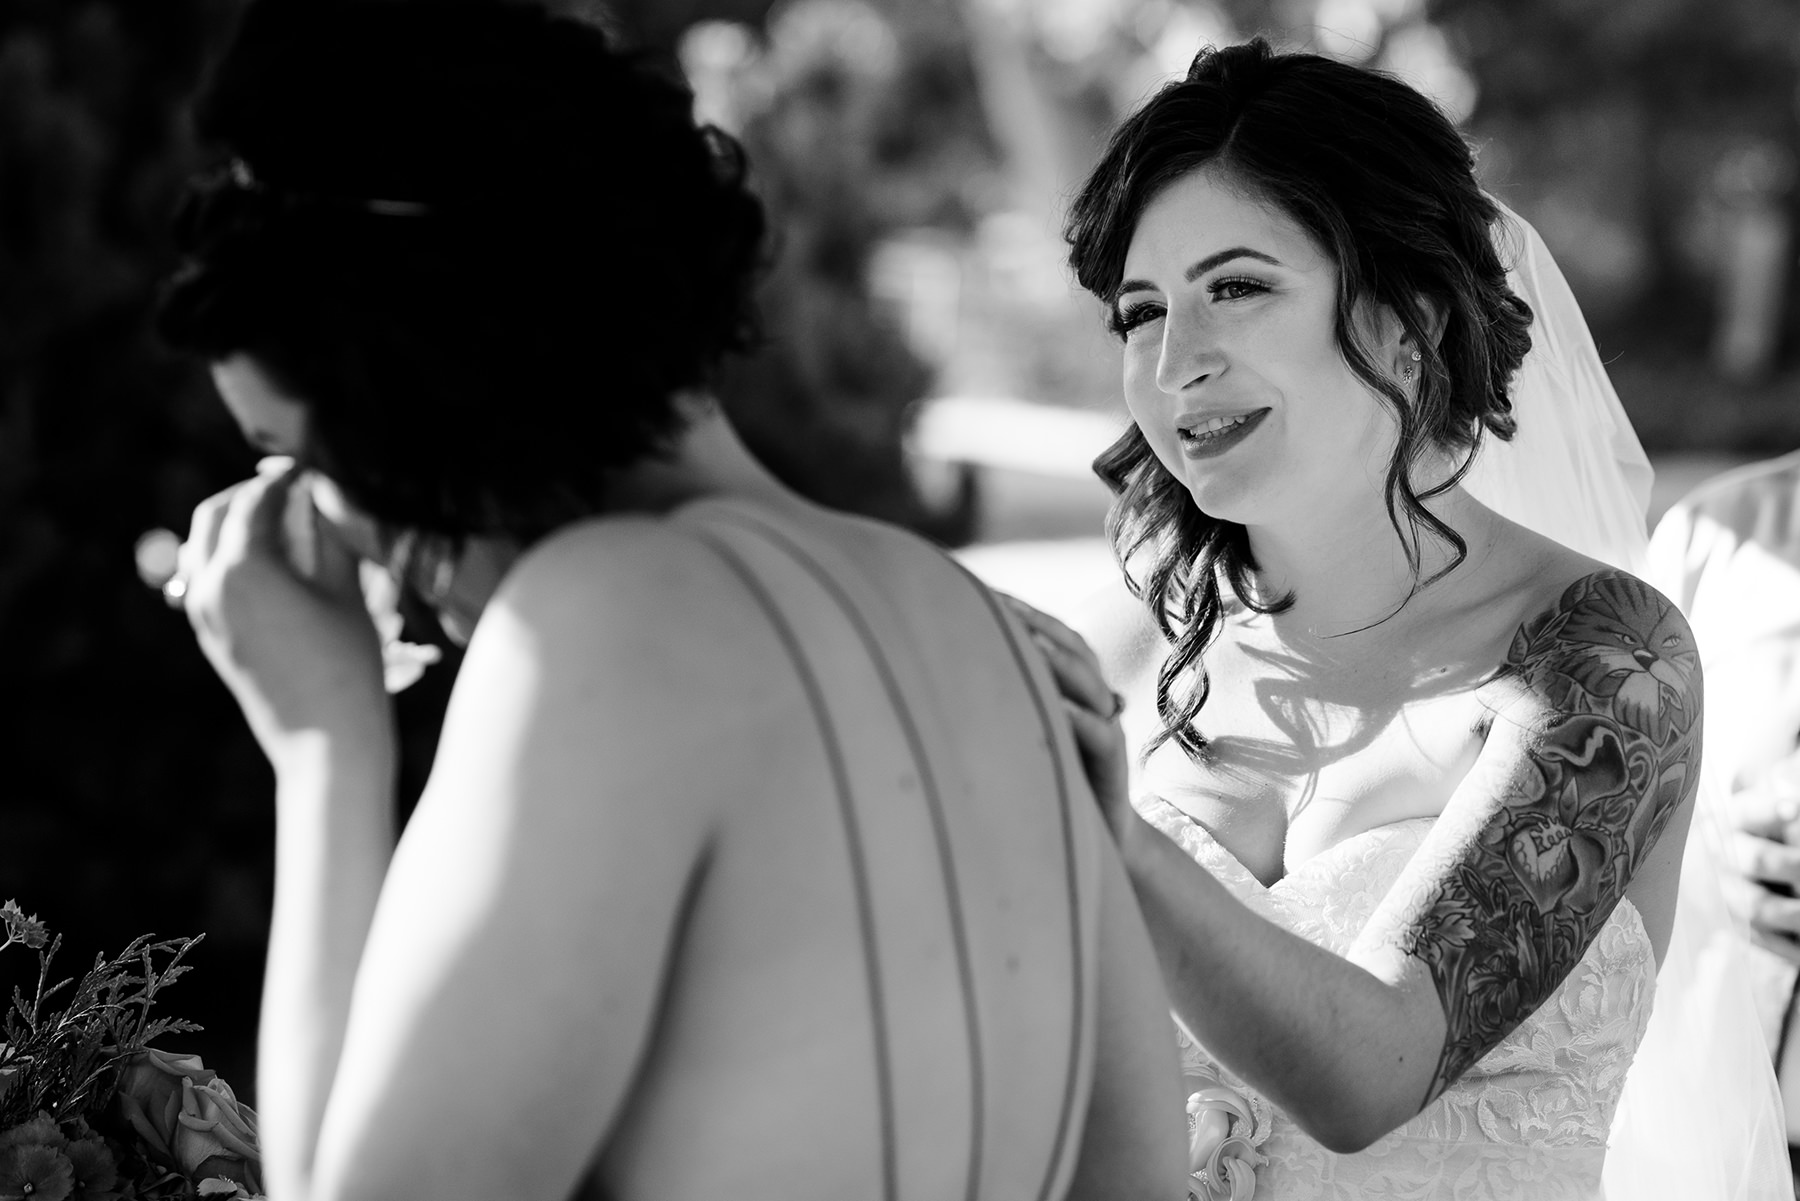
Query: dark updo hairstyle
(1385, 185)
(483, 246)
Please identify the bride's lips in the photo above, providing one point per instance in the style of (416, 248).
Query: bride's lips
(1215, 442)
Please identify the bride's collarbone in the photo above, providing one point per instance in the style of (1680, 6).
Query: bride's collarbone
(1335, 694)
(1297, 762)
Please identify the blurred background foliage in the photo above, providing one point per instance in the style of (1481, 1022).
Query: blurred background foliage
(915, 155)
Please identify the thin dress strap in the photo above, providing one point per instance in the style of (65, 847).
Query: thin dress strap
(1066, 813)
(878, 657)
(858, 853)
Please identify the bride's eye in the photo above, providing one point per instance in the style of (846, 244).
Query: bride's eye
(1127, 318)
(1236, 288)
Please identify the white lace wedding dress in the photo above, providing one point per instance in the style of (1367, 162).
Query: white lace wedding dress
(1529, 1121)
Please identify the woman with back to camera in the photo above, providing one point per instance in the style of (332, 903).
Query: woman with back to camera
(753, 862)
(1409, 837)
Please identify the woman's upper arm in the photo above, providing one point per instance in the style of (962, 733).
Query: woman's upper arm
(1594, 748)
(527, 924)
(1134, 1141)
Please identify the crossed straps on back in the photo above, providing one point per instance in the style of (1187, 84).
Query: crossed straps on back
(743, 537)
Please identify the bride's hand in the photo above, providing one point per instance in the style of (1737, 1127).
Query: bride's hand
(300, 654)
(1092, 708)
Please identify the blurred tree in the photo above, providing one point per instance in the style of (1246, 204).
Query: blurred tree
(1628, 108)
(1623, 128)
(134, 800)
(660, 24)
(857, 126)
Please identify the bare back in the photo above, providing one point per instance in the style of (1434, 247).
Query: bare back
(755, 862)
(888, 983)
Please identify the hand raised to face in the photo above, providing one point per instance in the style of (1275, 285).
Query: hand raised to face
(298, 651)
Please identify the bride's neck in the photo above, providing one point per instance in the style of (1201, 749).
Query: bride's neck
(1350, 570)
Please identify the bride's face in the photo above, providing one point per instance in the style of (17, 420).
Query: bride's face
(1232, 365)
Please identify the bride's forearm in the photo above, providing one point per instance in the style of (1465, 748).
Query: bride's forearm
(1346, 1054)
(335, 833)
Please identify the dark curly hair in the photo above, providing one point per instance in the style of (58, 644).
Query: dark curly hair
(484, 247)
(1385, 185)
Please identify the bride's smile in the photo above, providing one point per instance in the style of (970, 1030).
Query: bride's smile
(1232, 368)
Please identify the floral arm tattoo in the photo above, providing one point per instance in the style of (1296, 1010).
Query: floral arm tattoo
(1528, 873)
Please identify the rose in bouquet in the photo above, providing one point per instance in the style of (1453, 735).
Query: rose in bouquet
(189, 1119)
(89, 1110)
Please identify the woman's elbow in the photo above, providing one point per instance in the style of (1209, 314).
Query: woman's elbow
(1347, 1120)
(1346, 1136)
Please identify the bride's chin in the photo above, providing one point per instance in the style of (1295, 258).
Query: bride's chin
(1217, 502)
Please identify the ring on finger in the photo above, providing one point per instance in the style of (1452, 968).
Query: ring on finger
(174, 590)
(158, 555)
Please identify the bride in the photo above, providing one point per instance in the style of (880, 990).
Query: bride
(1409, 836)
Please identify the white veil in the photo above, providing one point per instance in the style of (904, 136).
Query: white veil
(1701, 1117)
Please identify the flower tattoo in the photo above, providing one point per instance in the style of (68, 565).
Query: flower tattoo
(1608, 752)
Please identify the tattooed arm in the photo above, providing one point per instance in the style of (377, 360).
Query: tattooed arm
(1594, 749)
(1592, 752)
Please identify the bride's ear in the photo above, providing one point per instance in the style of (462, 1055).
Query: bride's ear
(1392, 332)
(1435, 316)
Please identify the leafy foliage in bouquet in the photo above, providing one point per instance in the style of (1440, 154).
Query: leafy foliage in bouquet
(66, 1063)
(89, 1110)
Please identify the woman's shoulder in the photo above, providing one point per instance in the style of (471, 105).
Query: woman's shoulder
(711, 577)
(639, 600)
(642, 567)
(675, 564)
(1541, 578)
(1593, 639)
(865, 563)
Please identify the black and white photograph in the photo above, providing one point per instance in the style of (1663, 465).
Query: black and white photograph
(900, 600)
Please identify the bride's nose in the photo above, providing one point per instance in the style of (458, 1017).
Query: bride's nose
(1190, 354)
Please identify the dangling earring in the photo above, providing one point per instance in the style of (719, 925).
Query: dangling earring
(1407, 372)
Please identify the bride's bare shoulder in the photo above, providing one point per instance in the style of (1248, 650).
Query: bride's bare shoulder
(1584, 633)
(1541, 572)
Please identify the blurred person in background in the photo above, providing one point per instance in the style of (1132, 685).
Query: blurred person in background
(1729, 555)
(753, 861)
(1409, 837)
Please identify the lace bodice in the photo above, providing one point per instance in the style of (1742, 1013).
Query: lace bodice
(1529, 1120)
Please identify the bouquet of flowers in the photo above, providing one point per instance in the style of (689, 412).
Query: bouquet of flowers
(89, 1110)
